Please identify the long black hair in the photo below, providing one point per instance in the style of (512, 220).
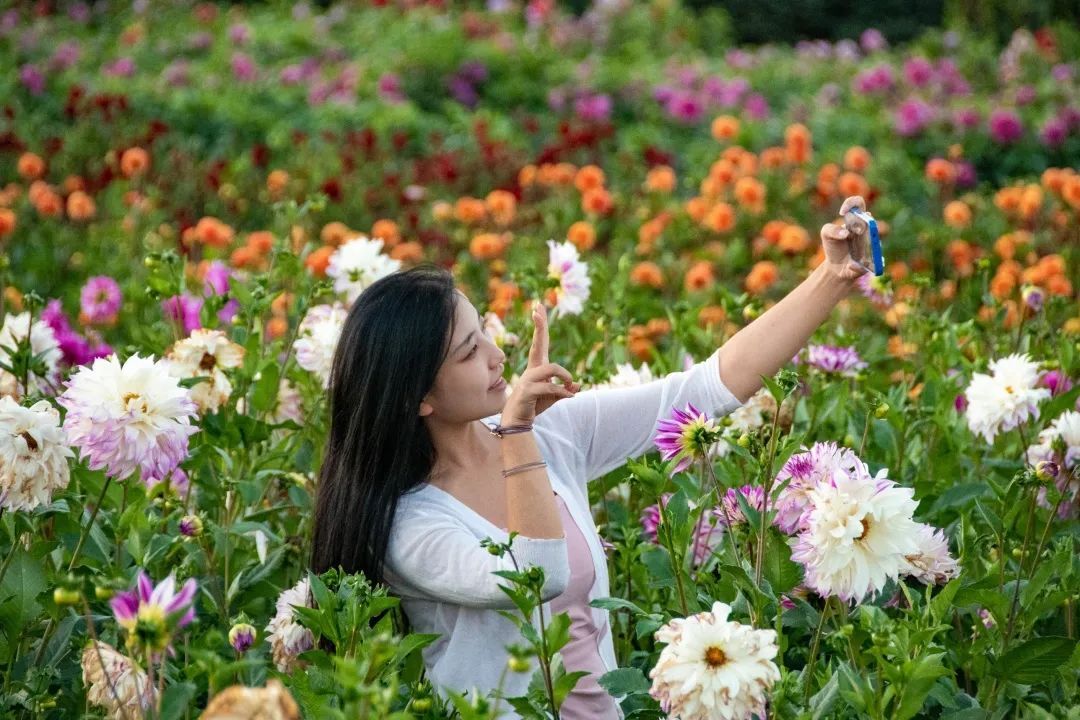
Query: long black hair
(394, 339)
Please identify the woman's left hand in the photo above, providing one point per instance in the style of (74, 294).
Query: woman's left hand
(844, 251)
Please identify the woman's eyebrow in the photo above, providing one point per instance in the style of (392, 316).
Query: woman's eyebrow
(464, 342)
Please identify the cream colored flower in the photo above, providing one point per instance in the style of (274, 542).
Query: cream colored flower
(238, 702)
(114, 682)
(206, 353)
(33, 454)
(713, 668)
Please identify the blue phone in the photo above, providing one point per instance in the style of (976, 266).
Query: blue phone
(875, 240)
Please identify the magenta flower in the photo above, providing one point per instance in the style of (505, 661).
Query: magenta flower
(593, 108)
(1005, 126)
(101, 299)
(876, 289)
(872, 40)
(730, 510)
(912, 117)
(707, 534)
(1054, 132)
(687, 436)
(32, 79)
(1057, 382)
(243, 67)
(183, 309)
(834, 359)
(121, 67)
(151, 614)
(389, 88)
(918, 71)
(685, 107)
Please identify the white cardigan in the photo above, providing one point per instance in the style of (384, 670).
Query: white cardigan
(435, 564)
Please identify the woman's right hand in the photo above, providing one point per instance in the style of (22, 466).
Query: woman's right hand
(534, 391)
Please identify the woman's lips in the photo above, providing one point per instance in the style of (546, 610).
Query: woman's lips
(500, 385)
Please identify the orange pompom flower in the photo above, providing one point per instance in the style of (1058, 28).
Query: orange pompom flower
(134, 162)
(582, 235)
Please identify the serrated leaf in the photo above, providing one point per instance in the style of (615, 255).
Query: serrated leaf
(624, 681)
(1037, 660)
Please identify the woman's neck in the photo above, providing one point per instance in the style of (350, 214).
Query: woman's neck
(460, 447)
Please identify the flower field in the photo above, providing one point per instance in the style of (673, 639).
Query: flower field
(192, 195)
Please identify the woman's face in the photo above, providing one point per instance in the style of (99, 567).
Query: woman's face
(469, 384)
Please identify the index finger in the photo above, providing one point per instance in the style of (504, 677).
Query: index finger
(538, 352)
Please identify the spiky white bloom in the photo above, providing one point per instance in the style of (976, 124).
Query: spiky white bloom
(713, 668)
(114, 682)
(858, 534)
(496, 330)
(1065, 429)
(626, 376)
(565, 266)
(33, 454)
(357, 263)
(123, 416)
(317, 337)
(43, 344)
(1006, 397)
(802, 472)
(932, 564)
(286, 636)
(206, 353)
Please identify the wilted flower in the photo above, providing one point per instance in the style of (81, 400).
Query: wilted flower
(206, 353)
(573, 277)
(151, 614)
(1005, 398)
(287, 637)
(687, 435)
(127, 416)
(357, 263)
(33, 455)
(713, 668)
(115, 682)
(317, 337)
(239, 702)
(932, 564)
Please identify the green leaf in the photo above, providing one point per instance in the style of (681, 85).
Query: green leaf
(779, 570)
(923, 676)
(624, 681)
(565, 684)
(821, 704)
(611, 603)
(264, 395)
(23, 582)
(175, 700)
(1037, 660)
(557, 633)
(943, 600)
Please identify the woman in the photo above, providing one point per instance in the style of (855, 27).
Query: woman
(413, 479)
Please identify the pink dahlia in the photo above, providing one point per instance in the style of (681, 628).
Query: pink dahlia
(150, 614)
(687, 435)
(100, 298)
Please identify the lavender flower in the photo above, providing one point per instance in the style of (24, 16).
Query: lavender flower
(1005, 126)
(834, 359)
(687, 435)
(183, 309)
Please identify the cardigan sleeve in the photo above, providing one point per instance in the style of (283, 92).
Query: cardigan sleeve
(438, 558)
(608, 426)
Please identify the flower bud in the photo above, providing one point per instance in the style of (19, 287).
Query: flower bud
(421, 704)
(882, 410)
(518, 664)
(1046, 470)
(104, 592)
(241, 637)
(63, 596)
(191, 526)
(1033, 296)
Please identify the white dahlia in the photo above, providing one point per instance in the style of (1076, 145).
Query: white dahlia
(858, 534)
(713, 668)
(206, 353)
(286, 636)
(43, 345)
(357, 263)
(1065, 429)
(573, 277)
(932, 564)
(1005, 398)
(805, 470)
(114, 682)
(317, 337)
(128, 416)
(33, 454)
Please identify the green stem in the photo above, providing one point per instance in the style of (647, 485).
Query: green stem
(814, 644)
(760, 560)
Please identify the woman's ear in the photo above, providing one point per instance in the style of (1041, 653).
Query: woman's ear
(425, 409)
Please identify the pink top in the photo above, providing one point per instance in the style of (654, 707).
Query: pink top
(587, 701)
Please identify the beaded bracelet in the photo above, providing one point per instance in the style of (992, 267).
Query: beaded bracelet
(500, 430)
(524, 467)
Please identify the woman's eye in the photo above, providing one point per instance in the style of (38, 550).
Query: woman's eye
(471, 352)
